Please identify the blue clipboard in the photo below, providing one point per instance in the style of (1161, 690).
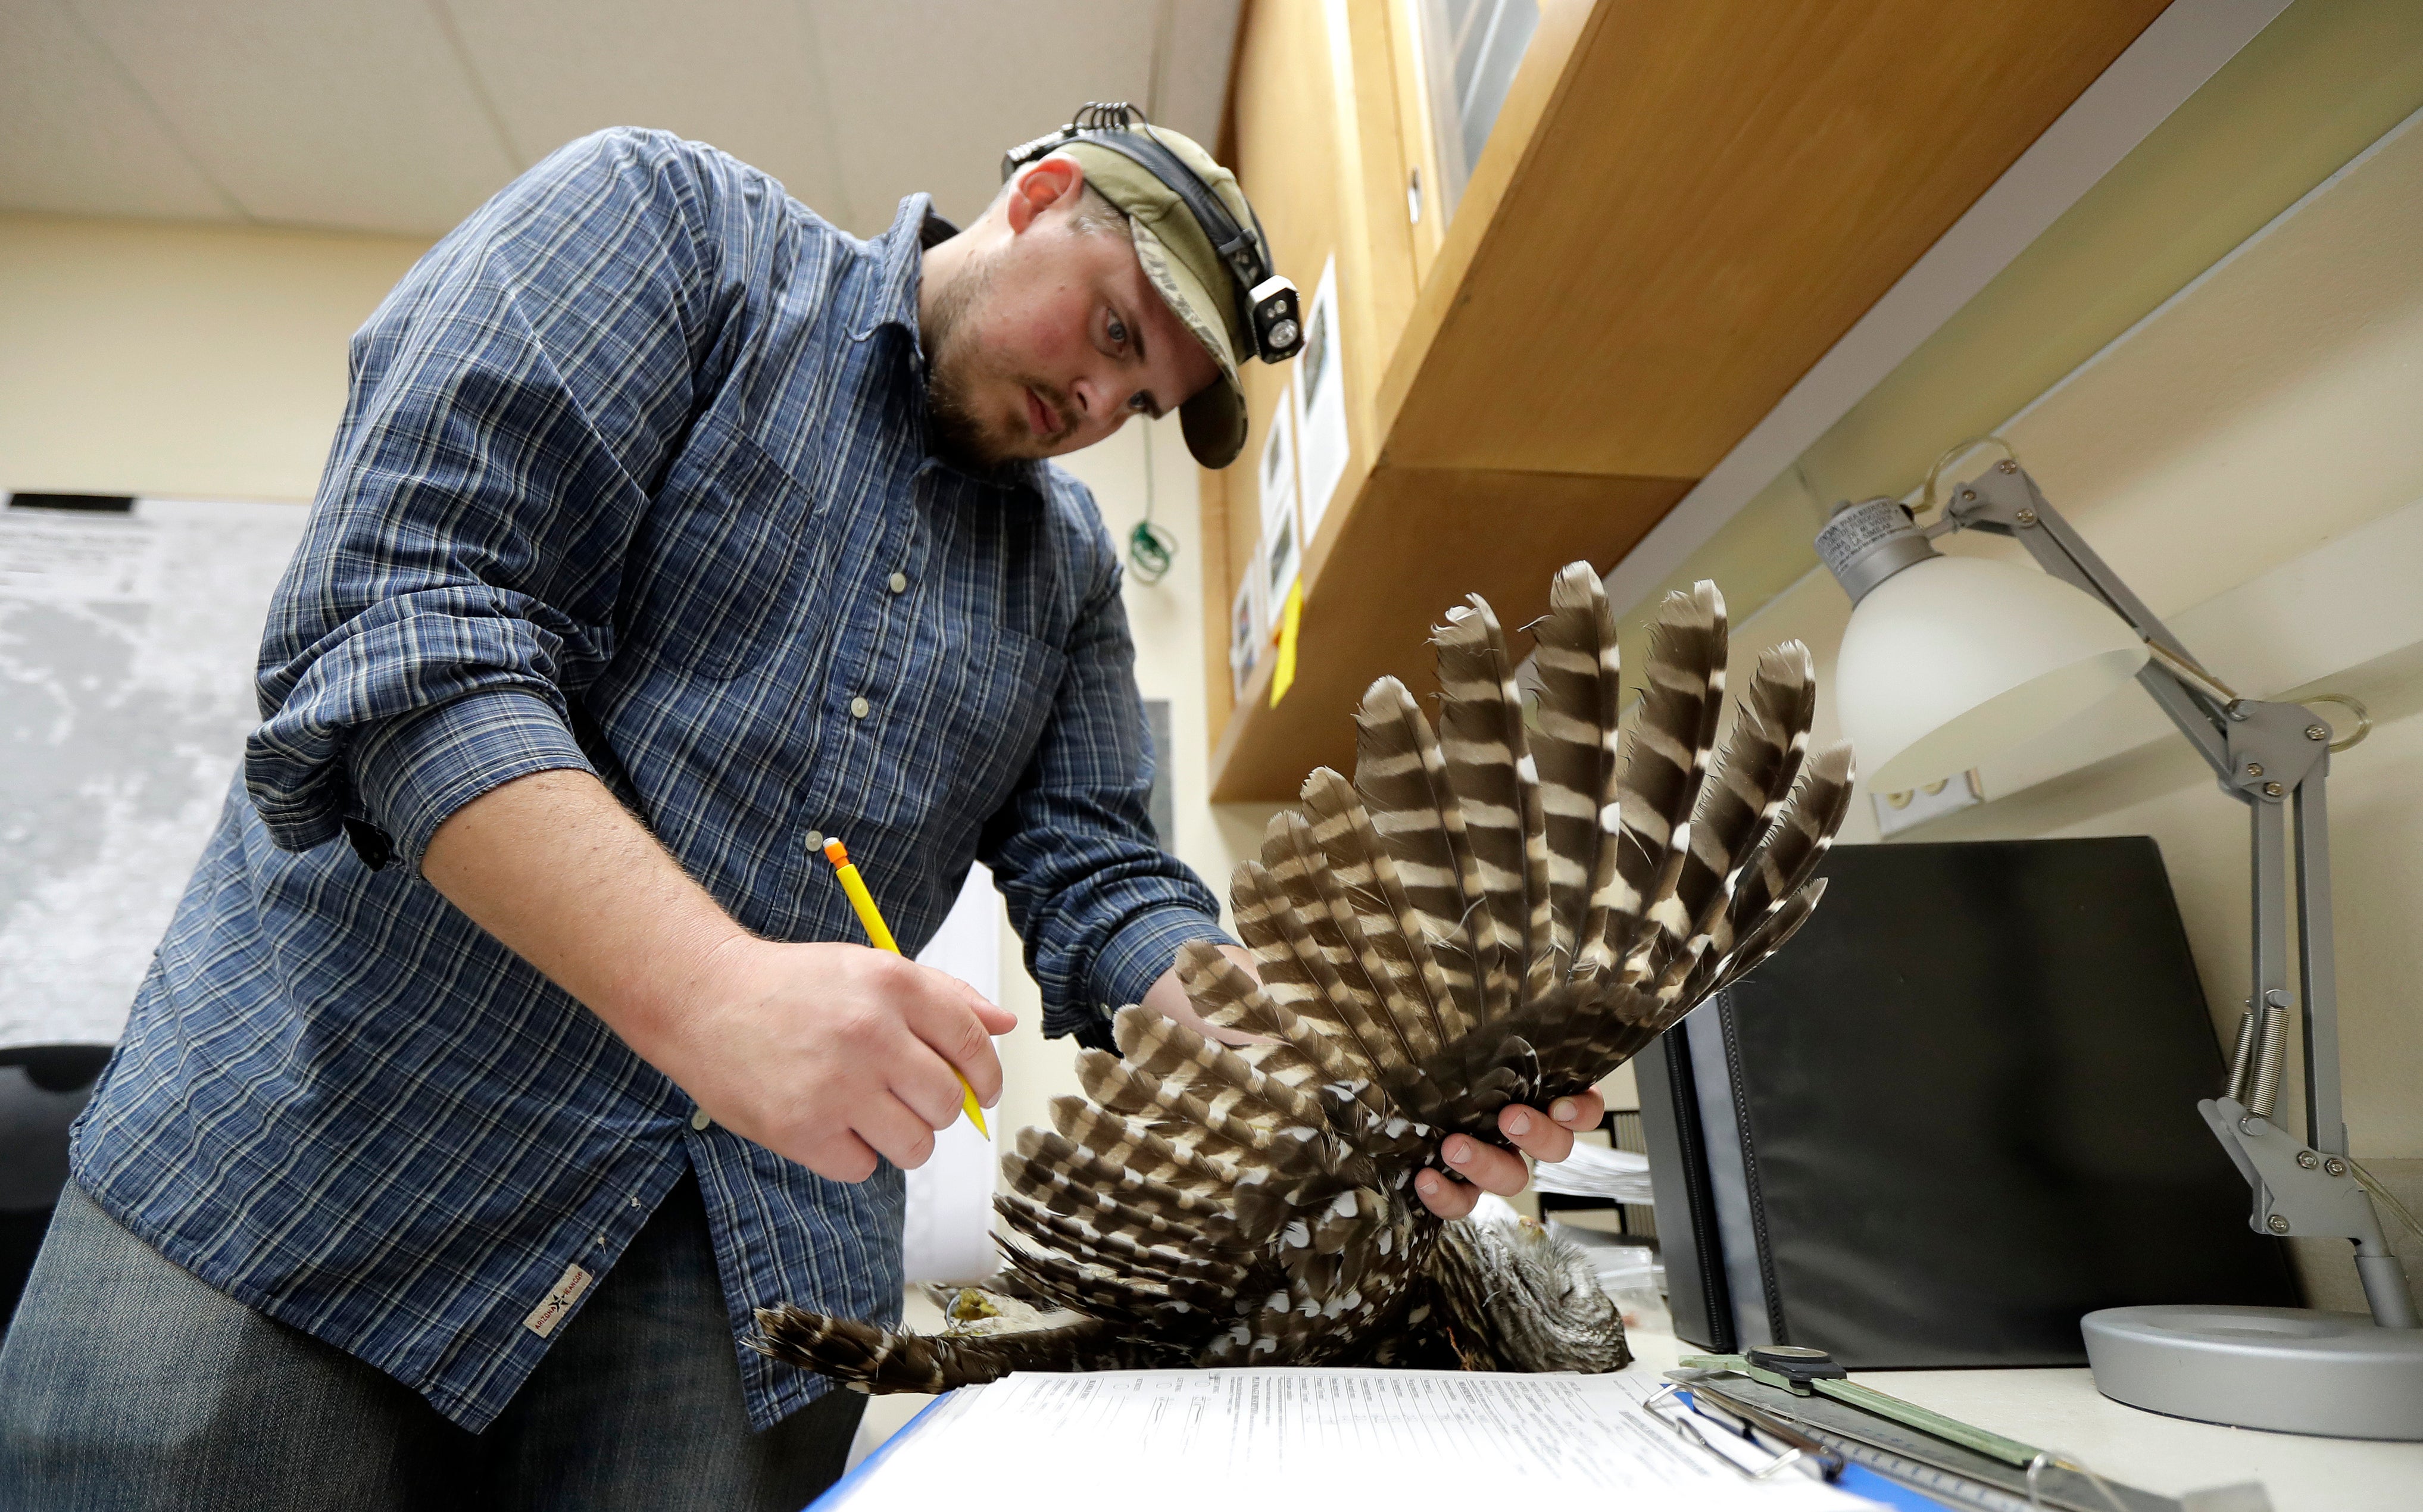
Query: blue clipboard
(1857, 1479)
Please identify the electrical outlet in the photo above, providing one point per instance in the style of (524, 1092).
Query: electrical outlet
(1897, 812)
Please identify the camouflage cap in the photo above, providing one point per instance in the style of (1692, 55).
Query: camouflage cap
(1196, 285)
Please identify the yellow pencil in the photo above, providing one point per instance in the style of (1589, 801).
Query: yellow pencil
(863, 902)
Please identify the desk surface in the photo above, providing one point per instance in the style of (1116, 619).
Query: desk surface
(2061, 1409)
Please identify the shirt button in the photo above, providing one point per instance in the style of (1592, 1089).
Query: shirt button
(699, 1120)
(899, 582)
(858, 707)
(815, 840)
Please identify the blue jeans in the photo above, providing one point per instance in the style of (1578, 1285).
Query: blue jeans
(128, 1385)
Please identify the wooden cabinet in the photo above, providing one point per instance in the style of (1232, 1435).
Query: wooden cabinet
(1679, 209)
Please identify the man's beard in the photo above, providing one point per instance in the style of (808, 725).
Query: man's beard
(956, 430)
(953, 371)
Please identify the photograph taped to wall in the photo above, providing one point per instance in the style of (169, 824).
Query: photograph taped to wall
(1275, 474)
(1280, 563)
(1320, 407)
(1281, 544)
(1246, 627)
(127, 647)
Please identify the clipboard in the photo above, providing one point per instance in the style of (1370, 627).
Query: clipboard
(852, 1479)
(1890, 1459)
(1856, 1478)
(1418, 1437)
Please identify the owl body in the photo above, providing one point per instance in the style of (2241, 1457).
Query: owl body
(1499, 908)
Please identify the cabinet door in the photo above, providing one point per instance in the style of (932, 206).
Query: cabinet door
(1315, 138)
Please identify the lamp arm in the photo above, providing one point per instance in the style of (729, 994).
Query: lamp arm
(2274, 758)
(2004, 500)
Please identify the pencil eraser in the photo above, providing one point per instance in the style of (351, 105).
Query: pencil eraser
(835, 853)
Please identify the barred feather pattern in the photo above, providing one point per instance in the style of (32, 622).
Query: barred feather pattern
(1579, 669)
(1400, 777)
(1747, 785)
(1497, 786)
(1496, 908)
(1645, 827)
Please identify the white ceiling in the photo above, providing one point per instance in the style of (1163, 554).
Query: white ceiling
(401, 116)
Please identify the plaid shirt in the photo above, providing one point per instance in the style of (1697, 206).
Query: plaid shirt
(633, 480)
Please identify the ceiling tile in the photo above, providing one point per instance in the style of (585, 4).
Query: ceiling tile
(926, 94)
(75, 136)
(310, 113)
(403, 114)
(1191, 73)
(737, 74)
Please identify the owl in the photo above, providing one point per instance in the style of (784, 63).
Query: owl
(1501, 906)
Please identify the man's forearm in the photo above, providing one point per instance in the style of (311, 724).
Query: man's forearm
(561, 873)
(825, 1053)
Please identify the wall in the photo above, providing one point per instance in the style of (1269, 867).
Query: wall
(184, 361)
(2233, 456)
(203, 367)
(2310, 91)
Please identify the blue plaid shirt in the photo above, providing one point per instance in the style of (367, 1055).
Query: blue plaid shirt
(633, 480)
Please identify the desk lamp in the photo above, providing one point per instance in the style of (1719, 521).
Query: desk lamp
(1947, 659)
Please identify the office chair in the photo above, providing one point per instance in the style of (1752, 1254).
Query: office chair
(42, 1088)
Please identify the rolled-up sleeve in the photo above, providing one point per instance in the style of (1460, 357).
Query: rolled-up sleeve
(420, 768)
(1103, 908)
(512, 403)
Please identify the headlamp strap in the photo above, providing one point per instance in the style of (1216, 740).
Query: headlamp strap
(1121, 128)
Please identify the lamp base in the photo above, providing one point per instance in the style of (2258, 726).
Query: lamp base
(2288, 1369)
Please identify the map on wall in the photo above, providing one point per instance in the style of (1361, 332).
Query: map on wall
(127, 642)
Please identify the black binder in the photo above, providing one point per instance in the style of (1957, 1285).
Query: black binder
(1955, 1113)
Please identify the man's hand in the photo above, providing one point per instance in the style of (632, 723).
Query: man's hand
(828, 1055)
(1547, 1136)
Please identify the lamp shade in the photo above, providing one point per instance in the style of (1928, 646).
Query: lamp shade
(1954, 658)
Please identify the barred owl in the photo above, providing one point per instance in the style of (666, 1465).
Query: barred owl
(1502, 908)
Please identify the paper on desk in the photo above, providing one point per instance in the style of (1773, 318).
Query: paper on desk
(1593, 1171)
(1184, 1440)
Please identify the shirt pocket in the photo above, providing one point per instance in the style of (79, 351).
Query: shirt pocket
(1002, 696)
(717, 556)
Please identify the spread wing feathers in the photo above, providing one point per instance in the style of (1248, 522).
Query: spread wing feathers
(1310, 948)
(1490, 771)
(1780, 923)
(1416, 997)
(1785, 856)
(1747, 785)
(1777, 870)
(1664, 757)
(1491, 911)
(1401, 779)
(1578, 667)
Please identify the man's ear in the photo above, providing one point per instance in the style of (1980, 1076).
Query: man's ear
(1038, 186)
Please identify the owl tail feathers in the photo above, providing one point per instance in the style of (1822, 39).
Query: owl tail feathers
(866, 1358)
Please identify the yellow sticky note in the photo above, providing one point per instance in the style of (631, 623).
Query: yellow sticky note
(1290, 616)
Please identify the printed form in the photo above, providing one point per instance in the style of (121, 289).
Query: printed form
(1214, 1438)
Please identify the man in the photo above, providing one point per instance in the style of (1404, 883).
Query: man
(503, 1054)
